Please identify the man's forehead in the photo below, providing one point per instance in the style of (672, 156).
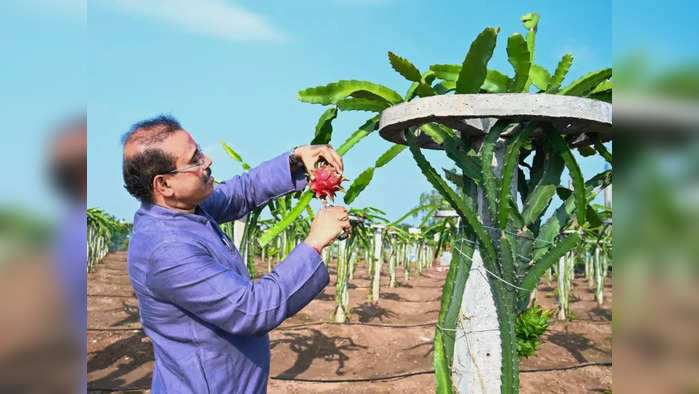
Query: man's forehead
(178, 143)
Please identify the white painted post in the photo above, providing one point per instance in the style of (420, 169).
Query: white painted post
(599, 290)
(238, 229)
(478, 354)
(378, 261)
(342, 266)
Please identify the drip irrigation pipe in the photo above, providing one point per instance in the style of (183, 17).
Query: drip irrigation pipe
(381, 378)
(290, 327)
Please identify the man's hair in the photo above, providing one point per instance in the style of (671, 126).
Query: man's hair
(140, 169)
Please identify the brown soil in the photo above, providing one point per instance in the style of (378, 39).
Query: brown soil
(320, 350)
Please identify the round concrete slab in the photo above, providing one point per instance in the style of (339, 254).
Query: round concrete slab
(475, 113)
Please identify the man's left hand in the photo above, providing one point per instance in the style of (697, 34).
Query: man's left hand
(312, 154)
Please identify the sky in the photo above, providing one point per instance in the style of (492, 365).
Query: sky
(230, 70)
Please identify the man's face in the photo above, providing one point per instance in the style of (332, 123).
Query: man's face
(192, 183)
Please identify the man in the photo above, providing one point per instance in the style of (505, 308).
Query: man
(208, 321)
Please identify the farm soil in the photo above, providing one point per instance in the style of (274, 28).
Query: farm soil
(307, 346)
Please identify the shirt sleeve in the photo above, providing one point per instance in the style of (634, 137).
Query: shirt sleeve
(190, 278)
(241, 194)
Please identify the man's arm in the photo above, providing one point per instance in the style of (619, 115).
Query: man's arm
(241, 194)
(189, 277)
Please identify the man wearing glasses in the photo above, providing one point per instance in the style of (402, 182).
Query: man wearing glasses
(208, 321)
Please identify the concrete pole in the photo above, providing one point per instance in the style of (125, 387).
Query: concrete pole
(478, 352)
(378, 261)
(238, 230)
(342, 266)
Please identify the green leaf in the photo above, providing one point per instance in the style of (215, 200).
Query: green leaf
(489, 181)
(389, 155)
(539, 76)
(522, 187)
(458, 203)
(359, 185)
(586, 151)
(561, 217)
(452, 294)
(404, 67)
(508, 258)
(514, 215)
(560, 73)
(530, 21)
(563, 193)
(427, 217)
(412, 212)
(537, 270)
(233, 154)
(324, 128)
(508, 171)
(602, 87)
(585, 84)
(367, 128)
(470, 165)
(454, 178)
(592, 217)
(445, 87)
(336, 91)
(475, 66)
(573, 170)
(602, 92)
(286, 221)
(422, 88)
(495, 82)
(602, 96)
(540, 198)
(362, 104)
(518, 56)
(599, 147)
(436, 133)
(447, 72)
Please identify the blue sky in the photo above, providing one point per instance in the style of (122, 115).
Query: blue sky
(230, 71)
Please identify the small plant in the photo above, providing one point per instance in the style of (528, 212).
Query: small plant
(529, 327)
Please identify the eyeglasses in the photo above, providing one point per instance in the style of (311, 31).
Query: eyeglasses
(199, 163)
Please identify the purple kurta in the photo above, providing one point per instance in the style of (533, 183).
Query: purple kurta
(207, 319)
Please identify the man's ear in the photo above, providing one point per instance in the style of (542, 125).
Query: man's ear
(161, 186)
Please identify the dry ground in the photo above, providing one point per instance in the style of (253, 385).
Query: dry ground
(119, 357)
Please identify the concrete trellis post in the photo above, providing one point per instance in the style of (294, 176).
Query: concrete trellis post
(392, 259)
(478, 358)
(238, 230)
(342, 267)
(377, 261)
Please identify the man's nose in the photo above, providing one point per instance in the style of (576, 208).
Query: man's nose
(207, 162)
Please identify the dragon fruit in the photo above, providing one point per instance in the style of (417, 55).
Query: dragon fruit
(326, 182)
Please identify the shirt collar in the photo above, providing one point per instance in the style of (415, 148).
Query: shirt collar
(157, 211)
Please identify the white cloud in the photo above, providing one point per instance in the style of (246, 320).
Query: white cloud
(213, 18)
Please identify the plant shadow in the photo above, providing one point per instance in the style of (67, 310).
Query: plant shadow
(574, 343)
(372, 311)
(127, 354)
(313, 346)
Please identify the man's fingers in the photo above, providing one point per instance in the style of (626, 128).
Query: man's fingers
(332, 158)
(338, 159)
(310, 166)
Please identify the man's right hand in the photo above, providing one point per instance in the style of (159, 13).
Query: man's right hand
(328, 225)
